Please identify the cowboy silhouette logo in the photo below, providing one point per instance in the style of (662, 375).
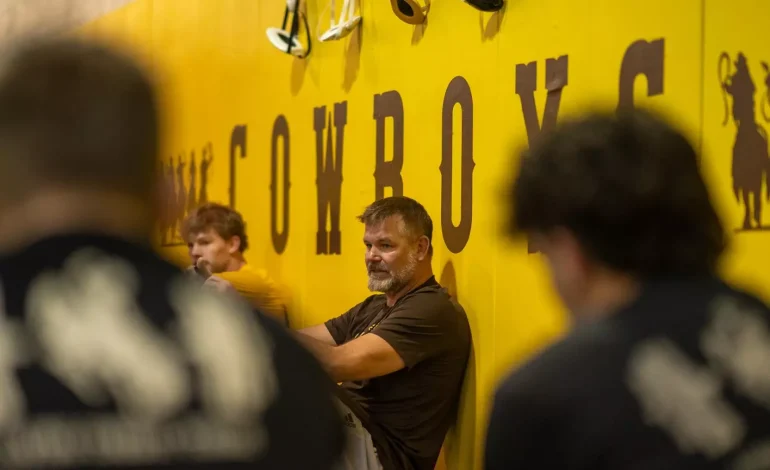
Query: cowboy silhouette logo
(183, 194)
(750, 163)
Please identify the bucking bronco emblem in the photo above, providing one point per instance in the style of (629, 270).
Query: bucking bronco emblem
(751, 163)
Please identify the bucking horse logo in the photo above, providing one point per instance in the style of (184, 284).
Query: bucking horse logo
(751, 163)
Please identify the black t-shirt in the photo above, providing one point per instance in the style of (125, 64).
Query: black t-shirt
(680, 379)
(112, 358)
(409, 411)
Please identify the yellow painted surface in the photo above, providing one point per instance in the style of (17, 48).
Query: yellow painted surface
(220, 72)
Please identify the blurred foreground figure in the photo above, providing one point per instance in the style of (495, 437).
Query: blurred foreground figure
(110, 357)
(668, 367)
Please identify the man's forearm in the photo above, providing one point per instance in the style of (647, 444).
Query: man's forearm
(324, 353)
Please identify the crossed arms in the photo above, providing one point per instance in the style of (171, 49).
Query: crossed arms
(365, 357)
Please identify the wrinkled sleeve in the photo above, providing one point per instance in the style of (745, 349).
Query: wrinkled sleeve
(420, 329)
(339, 327)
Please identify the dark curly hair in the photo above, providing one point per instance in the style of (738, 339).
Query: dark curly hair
(628, 187)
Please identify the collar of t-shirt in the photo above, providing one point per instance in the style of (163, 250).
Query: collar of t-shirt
(431, 282)
(663, 295)
(56, 247)
(385, 310)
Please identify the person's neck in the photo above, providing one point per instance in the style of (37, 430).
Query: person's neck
(57, 212)
(608, 294)
(420, 278)
(235, 264)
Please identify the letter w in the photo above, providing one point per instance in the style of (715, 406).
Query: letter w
(329, 177)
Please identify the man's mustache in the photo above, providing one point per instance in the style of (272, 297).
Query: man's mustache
(377, 267)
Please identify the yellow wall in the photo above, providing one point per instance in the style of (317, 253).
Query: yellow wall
(221, 72)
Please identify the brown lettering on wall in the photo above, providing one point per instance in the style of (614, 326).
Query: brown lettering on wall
(388, 173)
(458, 93)
(641, 58)
(280, 130)
(329, 176)
(556, 78)
(237, 141)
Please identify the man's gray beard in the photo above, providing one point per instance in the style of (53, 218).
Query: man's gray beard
(386, 286)
(397, 280)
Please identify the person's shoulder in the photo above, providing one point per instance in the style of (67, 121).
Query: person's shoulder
(432, 299)
(154, 271)
(432, 292)
(685, 305)
(246, 274)
(371, 301)
(8, 263)
(692, 291)
(745, 298)
(431, 304)
(248, 270)
(96, 253)
(366, 308)
(584, 352)
(253, 280)
(150, 261)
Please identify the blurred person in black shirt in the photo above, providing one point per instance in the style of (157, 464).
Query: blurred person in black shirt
(668, 366)
(109, 356)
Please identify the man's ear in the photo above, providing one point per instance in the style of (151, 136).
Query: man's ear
(423, 247)
(234, 244)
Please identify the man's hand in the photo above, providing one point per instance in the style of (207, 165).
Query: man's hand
(201, 267)
(218, 284)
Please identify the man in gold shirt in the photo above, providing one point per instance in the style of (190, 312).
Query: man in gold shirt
(216, 239)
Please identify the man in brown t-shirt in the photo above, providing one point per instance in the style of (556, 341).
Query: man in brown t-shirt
(401, 355)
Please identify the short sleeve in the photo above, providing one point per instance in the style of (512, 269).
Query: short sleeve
(339, 327)
(421, 328)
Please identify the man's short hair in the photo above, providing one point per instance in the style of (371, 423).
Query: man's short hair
(417, 222)
(628, 187)
(76, 114)
(225, 221)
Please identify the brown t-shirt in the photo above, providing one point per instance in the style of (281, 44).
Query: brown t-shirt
(409, 411)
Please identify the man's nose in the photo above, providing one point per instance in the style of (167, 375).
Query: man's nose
(196, 251)
(372, 255)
